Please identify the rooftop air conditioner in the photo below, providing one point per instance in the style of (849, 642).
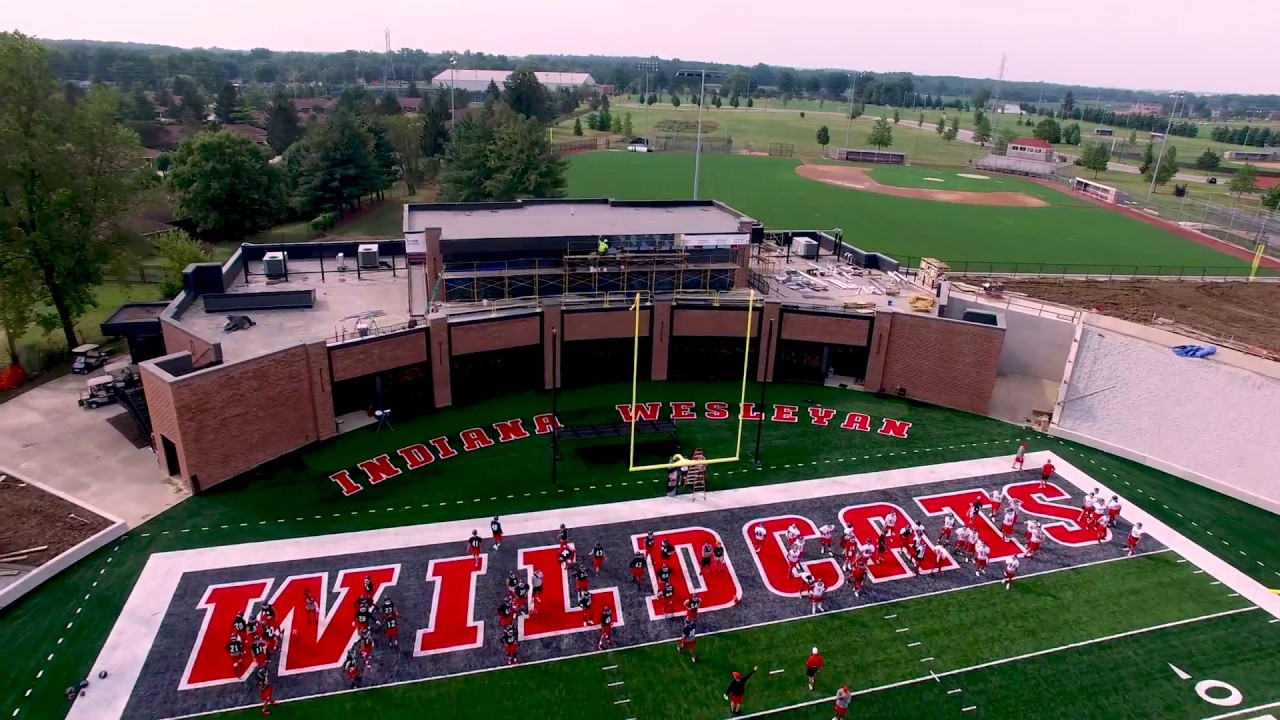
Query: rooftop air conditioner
(275, 264)
(362, 328)
(342, 261)
(368, 257)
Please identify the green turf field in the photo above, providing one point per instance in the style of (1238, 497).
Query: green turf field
(55, 633)
(914, 176)
(768, 189)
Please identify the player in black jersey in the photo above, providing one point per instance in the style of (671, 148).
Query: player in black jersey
(495, 527)
(637, 568)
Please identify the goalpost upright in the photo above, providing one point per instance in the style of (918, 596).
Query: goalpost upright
(680, 461)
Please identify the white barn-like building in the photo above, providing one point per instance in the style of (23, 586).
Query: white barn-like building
(477, 81)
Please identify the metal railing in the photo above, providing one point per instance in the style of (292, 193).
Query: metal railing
(342, 334)
(1070, 271)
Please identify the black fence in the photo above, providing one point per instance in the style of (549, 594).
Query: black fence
(1068, 271)
(142, 275)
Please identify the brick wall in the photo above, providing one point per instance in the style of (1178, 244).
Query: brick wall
(364, 357)
(604, 324)
(321, 378)
(770, 320)
(164, 416)
(495, 335)
(235, 417)
(729, 322)
(441, 369)
(178, 339)
(825, 329)
(552, 337)
(661, 336)
(944, 362)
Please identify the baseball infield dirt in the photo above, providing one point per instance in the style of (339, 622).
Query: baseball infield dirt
(858, 179)
(1242, 312)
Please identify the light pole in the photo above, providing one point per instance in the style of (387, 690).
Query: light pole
(849, 122)
(453, 83)
(702, 99)
(1168, 130)
(647, 66)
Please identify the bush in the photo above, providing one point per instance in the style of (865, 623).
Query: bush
(801, 114)
(325, 222)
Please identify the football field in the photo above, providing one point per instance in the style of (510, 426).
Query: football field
(1081, 605)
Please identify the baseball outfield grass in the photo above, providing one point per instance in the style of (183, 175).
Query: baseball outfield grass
(1060, 238)
(54, 634)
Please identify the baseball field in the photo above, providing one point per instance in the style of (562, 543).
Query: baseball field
(1178, 630)
(1063, 235)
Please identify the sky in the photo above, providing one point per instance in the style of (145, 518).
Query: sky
(1140, 44)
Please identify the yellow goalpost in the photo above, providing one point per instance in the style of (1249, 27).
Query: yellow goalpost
(679, 461)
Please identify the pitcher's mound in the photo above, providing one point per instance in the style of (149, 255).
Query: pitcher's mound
(858, 179)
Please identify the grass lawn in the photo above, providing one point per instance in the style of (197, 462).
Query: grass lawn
(109, 298)
(1067, 606)
(915, 176)
(769, 190)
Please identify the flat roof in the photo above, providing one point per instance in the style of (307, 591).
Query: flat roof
(480, 221)
(341, 300)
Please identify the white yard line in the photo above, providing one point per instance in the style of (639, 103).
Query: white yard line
(1246, 711)
(1006, 661)
(1251, 589)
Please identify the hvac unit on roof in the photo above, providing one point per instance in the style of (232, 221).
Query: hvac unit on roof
(275, 264)
(368, 256)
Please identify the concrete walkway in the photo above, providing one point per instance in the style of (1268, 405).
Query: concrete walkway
(46, 436)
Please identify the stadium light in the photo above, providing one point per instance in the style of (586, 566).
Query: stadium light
(702, 99)
(849, 121)
(647, 66)
(453, 83)
(1173, 111)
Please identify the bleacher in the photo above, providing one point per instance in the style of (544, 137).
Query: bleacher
(1017, 166)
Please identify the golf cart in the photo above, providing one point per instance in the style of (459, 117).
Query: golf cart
(87, 358)
(97, 393)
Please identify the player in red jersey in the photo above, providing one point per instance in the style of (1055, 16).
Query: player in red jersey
(1135, 535)
(813, 666)
(688, 639)
(265, 691)
(1046, 472)
(495, 528)
(354, 674)
(859, 575)
(511, 646)
(235, 648)
(473, 545)
(851, 557)
(691, 608)
(597, 558)
(637, 568)
(606, 629)
(1010, 570)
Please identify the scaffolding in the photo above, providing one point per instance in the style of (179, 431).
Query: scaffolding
(588, 271)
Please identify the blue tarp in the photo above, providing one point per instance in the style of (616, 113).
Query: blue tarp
(1194, 351)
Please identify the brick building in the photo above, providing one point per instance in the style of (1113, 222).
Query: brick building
(497, 290)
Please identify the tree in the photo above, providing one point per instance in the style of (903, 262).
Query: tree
(354, 101)
(412, 91)
(1244, 181)
(333, 167)
(141, 108)
(1272, 198)
(404, 133)
(388, 105)
(1148, 160)
(1071, 135)
(940, 126)
(492, 92)
(824, 138)
(627, 128)
(577, 126)
(675, 100)
(1165, 168)
(1068, 103)
(881, 135)
(750, 102)
(733, 102)
(1208, 160)
(1095, 157)
(981, 96)
(981, 127)
(176, 250)
(283, 129)
(434, 130)
(164, 161)
(19, 292)
(500, 159)
(653, 98)
(1004, 136)
(920, 120)
(896, 116)
(226, 185)
(527, 96)
(855, 110)
(225, 107)
(1048, 130)
(67, 175)
(194, 104)
(615, 124)
(716, 101)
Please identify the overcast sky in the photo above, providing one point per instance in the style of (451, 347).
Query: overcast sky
(1146, 44)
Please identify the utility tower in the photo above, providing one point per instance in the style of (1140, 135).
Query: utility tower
(995, 92)
(388, 66)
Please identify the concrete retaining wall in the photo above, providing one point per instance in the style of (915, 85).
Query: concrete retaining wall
(1034, 346)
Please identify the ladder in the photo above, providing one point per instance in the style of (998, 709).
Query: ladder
(695, 478)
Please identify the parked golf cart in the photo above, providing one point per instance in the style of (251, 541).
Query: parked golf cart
(97, 392)
(87, 358)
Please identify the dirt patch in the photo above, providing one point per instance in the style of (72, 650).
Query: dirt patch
(686, 126)
(32, 517)
(858, 179)
(1240, 312)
